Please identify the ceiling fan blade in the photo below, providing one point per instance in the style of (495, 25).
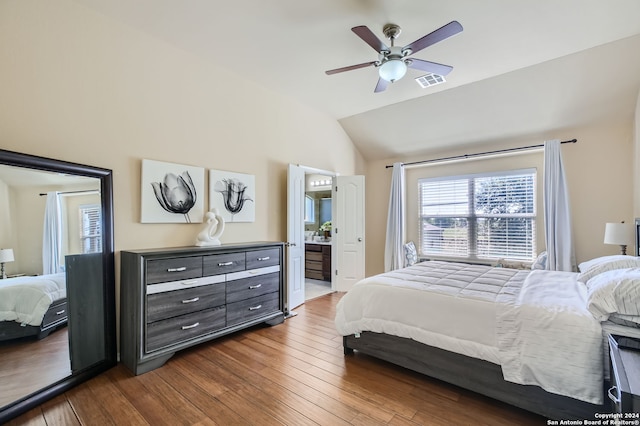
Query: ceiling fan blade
(370, 38)
(350, 67)
(452, 28)
(381, 86)
(432, 67)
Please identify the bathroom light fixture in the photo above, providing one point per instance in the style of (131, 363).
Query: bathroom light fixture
(6, 255)
(619, 234)
(322, 182)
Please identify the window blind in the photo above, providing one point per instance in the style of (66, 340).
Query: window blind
(91, 228)
(482, 216)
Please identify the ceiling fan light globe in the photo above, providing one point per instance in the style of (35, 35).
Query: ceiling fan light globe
(392, 70)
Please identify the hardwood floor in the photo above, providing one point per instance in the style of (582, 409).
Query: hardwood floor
(29, 364)
(293, 373)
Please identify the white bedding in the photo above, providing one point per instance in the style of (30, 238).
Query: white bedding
(458, 313)
(548, 337)
(464, 309)
(26, 299)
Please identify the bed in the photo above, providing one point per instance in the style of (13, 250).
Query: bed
(32, 306)
(533, 339)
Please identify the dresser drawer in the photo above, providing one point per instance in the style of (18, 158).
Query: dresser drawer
(57, 312)
(179, 268)
(255, 307)
(313, 266)
(262, 258)
(314, 275)
(223, 263)
(247, 288)
(179, 302)
(178, 329)
(313, 256)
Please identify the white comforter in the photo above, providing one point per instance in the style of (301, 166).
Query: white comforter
(547, 337)
(26, 299)
(538, 330)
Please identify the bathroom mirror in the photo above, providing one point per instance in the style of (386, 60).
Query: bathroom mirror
(57, 219)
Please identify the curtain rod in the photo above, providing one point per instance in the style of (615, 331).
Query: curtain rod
(479, 154)
(86, 191)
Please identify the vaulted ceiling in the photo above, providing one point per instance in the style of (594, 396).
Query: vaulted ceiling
(520, 67)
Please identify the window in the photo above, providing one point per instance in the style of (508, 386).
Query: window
(483, 216)
(91, 228)
(309, 210)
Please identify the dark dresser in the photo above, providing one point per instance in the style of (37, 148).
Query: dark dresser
(171, 299)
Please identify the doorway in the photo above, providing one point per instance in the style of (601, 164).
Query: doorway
(317, 235)
(347, 233)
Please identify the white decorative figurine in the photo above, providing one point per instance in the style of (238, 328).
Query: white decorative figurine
(210, 235)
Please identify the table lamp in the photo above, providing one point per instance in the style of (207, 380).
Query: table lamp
(619, 234)
(6, 255)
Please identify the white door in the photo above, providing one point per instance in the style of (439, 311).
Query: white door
(347, 231)
(295, 238)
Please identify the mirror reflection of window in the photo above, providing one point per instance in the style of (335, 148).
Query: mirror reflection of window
(90, 228)
(325, 210)
(309, 210)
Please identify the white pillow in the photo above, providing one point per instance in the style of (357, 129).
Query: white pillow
(540, 262)
(604, 259)
(614, 262)
(410, 254)
(615, 291)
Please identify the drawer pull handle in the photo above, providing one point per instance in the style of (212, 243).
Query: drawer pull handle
(253, 287)
(186, 327)
(264, 258)
(195, 299)
(180, 269)
(61, 312)
(189, 282)
(612, 396)
(225, 263)
(253, 308)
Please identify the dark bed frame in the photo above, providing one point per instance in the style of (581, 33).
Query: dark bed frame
(54, 318)
(470, 373)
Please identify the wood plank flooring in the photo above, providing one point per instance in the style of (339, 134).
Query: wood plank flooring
(28, 364)
(293, 374)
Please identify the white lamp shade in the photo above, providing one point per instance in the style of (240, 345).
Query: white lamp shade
(6, 255)
(392, 70)
(618, 233)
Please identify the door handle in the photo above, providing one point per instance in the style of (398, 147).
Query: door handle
(290, 244)
(359, 239)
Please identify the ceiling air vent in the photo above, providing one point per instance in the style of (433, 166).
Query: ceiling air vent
(430, 80)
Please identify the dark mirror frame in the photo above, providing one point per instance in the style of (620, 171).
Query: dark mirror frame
(11, 158)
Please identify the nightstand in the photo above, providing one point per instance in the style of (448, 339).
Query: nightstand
(624, 393)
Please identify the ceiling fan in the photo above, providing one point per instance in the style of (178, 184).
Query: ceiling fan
(393, 61)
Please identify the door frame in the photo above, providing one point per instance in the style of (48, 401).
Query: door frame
(309, 171)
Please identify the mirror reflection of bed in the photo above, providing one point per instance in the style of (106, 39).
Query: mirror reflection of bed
(34, 343)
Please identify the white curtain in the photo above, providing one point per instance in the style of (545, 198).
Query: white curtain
(393, 250)
(52, 236)
(557, 213)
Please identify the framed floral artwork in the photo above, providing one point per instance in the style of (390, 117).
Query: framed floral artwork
(233, 195)
(171, 193)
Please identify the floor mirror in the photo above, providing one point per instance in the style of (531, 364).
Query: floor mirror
(56, 246)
